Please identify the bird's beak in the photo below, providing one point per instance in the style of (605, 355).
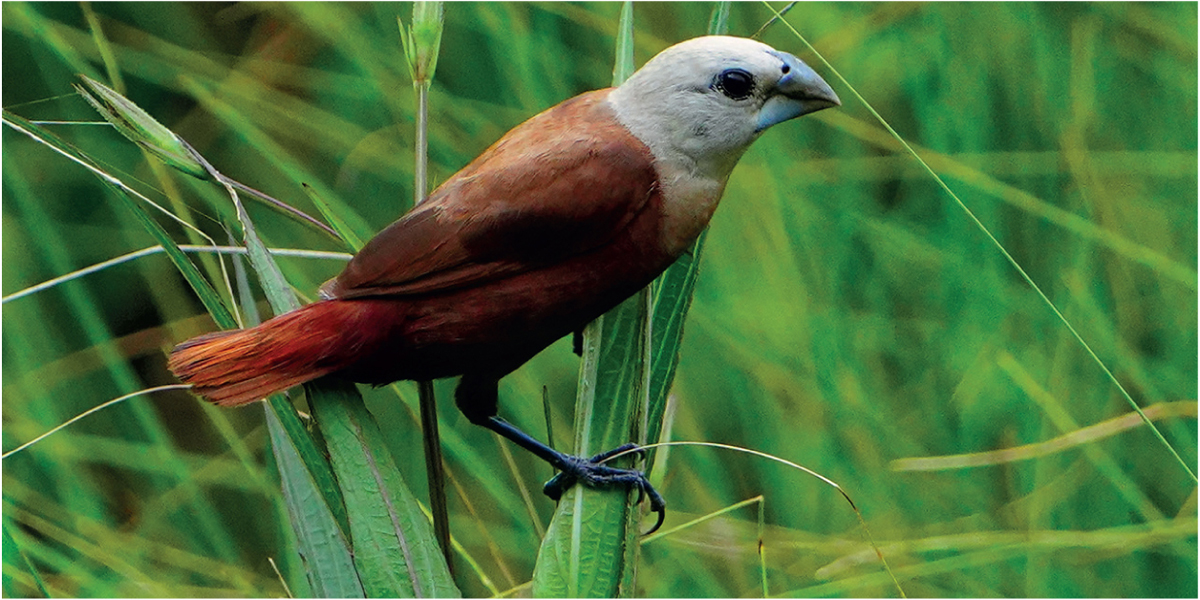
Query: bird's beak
(799, 92)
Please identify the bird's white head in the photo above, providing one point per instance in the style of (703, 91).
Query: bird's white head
(699, 104)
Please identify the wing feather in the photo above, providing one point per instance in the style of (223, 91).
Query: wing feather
(561, 184)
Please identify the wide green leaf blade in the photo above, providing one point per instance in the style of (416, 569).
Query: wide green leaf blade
(323, 545)
(394, 546)
(395, 559)
(590, 543)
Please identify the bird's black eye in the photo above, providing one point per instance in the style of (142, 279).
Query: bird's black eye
(786, 68)
(734, 83)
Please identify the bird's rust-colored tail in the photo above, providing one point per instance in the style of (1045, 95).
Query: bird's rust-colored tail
(232, 368)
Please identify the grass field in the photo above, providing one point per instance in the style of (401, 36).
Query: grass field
(849, 315)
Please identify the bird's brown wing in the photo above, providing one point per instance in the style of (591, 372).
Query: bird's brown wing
(563, 183)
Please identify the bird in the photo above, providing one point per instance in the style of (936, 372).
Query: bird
(557, 222)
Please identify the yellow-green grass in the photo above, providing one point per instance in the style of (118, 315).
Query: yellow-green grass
(848, 314)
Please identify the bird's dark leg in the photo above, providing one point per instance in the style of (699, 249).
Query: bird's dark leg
(577, 342)
(476, 398)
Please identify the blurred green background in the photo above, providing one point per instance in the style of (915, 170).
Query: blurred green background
(848, 313)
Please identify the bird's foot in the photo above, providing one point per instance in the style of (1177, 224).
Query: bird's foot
(591, 472)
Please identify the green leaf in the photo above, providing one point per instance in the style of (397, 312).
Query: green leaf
(623, 62)
(394, 547)
(324, 548)
(718, 23)
(316, 510)
(590, 543)
(391, 561)
(672, 299)
(310, 490)
(390, 536)
(343, 229)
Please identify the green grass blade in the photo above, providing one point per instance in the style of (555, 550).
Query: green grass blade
(718, 24)
(308, 490)
(623, 65)
(584, 553)
(616, 384)
(394, 547)
(329, 564)
(316, 465)
(392, 561)
(343, 229)
(672, 300)
(316, 469)
(16, 563)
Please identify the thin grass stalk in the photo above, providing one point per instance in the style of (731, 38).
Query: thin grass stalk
(421, 44)
(1007, 256)
(94, 327)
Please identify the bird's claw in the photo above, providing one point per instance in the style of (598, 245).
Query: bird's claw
(631, 449)
(591, 472)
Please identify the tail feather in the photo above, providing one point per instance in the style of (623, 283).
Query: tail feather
(231, 368)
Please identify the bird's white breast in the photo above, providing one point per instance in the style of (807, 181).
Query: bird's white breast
(690, 189)
(688, 203)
